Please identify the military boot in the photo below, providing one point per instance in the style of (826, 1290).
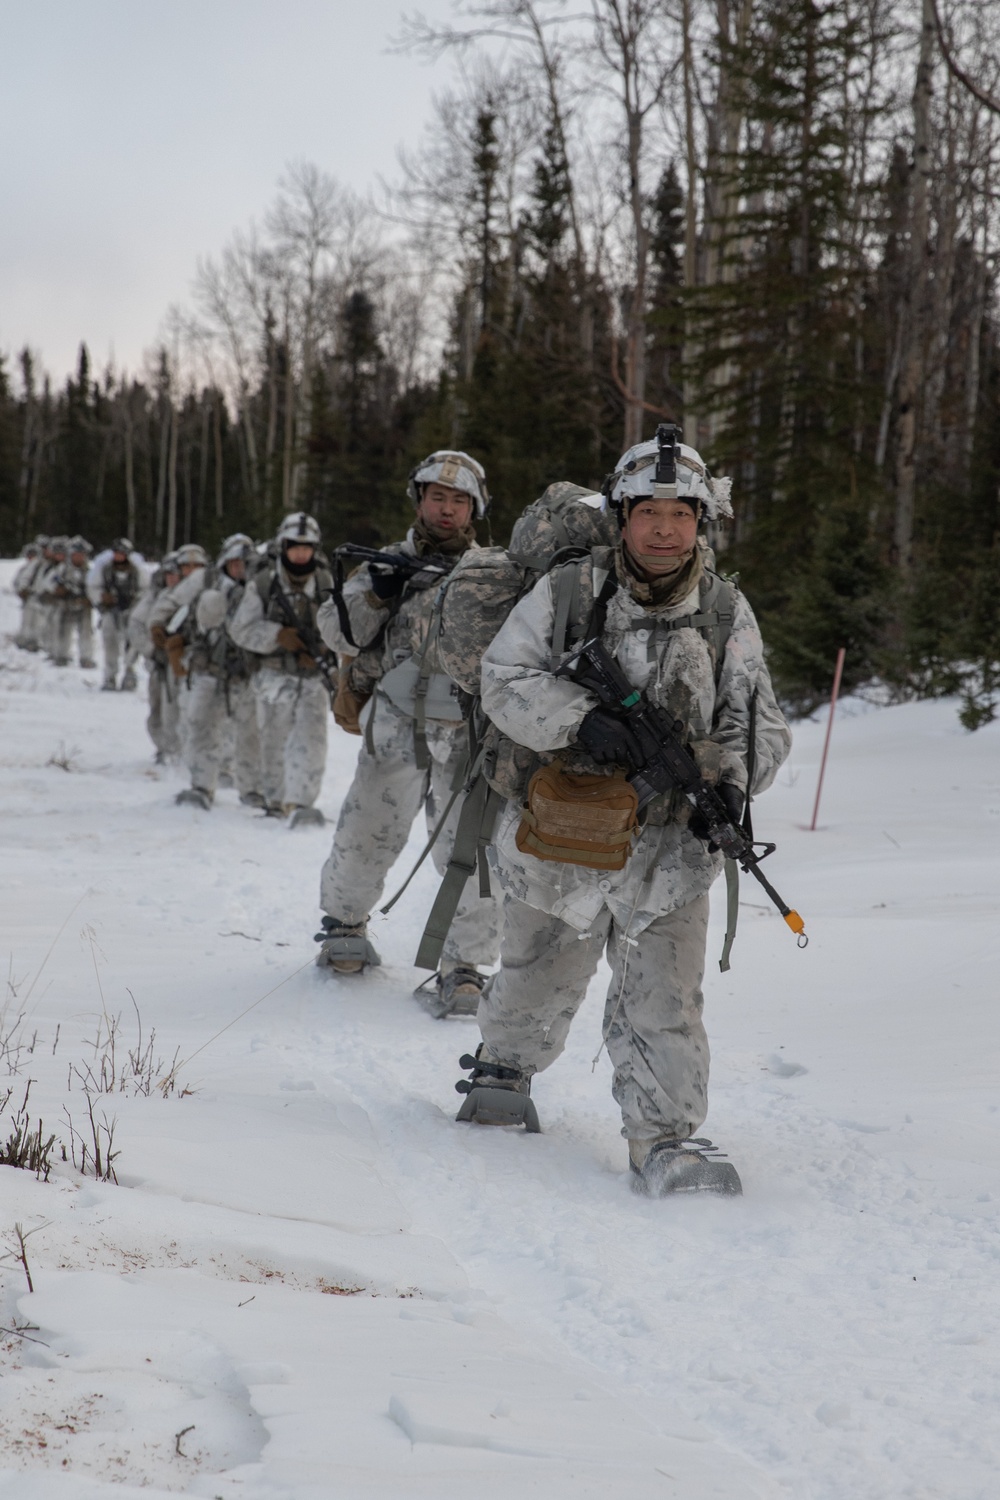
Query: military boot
(662, 1167)
(347, 948)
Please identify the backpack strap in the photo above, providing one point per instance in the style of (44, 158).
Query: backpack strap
(713, 619)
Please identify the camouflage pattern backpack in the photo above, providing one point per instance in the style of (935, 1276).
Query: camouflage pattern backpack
(478, 595)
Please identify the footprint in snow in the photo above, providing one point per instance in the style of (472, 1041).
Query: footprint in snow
(782, 1069)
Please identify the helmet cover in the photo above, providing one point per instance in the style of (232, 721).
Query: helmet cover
(451, 467)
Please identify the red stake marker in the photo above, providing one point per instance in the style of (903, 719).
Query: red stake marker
(829, 730)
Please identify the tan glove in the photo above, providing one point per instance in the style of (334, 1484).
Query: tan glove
(158, 636)
(290, 640)
(174, 645)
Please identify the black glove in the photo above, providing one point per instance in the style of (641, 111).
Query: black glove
(609, 740)
(732, 800)
(387, 583)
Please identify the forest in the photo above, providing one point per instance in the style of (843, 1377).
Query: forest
(773, 222)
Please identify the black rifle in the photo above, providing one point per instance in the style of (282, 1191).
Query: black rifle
(310, 637)
(434, 567)
(420, 571)
(668, 763)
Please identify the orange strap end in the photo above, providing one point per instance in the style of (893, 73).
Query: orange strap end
(795, 922)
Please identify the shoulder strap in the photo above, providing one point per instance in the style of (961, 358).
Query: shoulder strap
(566, 603)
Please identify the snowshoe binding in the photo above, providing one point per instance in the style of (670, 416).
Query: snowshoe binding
(693, 1166)
(195, 796)
(306, 817)
(347, 948)
(495, 1094)
(252, 799)
(456, 993)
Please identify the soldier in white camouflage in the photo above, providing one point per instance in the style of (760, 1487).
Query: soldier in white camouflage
(44, 601)
(163, 721)
(32, 560)
(65, 592)
(115, 591)
(276, 624)
(219, 710)
(414, 749)
(649, 601)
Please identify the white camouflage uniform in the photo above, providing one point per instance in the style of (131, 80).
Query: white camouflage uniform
(163, 721)
(292, 705)
(220, 712)
(389, 786)
(127, 584)
(66, 593)
(650, 916)
(31, 623)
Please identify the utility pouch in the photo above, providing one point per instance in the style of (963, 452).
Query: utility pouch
(400, 686)
(579, 819)
(347, 704)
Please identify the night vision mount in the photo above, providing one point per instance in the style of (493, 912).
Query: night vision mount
(665, 478)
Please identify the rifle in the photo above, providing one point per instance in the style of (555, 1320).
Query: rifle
(669, 763)
(420, 571)
(434, 567)
(310, 637)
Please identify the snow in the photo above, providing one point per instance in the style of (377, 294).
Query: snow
(329, 1288)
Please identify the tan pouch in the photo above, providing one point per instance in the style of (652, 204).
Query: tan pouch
(579, 820)
(347, 705)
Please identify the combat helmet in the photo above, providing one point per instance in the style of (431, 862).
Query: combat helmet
(666, 469)
(456, 469)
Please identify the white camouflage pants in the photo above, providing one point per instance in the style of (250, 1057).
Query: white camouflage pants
(114, 635)
(386, 794)
(652, 1018)
(163, 724)
(32, 623)
(220, 729)
(292, 714)
(67, 621)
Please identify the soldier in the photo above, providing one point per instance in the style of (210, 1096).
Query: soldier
(34, 561)
(172, 623)
(276, 622)
(163, 723)
(415, 740)
(220, 712)
(115, 591)
(690, 641)
(66, 588)
(53, 556)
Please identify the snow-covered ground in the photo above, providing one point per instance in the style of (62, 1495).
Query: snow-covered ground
(310, 1282)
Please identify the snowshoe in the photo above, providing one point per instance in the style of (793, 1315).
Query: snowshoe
(306, 817)
(108, 685)
(129, 683)
(347, 948)
(274, 810)
(195, 796)
(88, 665)
(496, 1095)
(693, 1166)
(456, 993)
(252, 799)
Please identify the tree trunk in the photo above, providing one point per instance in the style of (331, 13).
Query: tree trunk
(130, 515)
(690, 227)
(913, 307)
(172, 482)
(217, 435)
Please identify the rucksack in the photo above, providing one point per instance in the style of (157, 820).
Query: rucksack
(478, 595)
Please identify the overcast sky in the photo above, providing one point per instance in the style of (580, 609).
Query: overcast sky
(138, 134)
